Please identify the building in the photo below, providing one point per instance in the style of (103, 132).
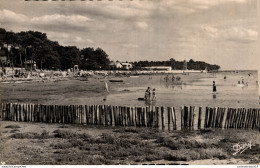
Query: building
(159, 68)
(121, 65)
(116, 65)
(30, 65)
(127, 65)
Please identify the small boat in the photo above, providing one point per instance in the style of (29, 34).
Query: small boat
(115, 80)
(141, 99)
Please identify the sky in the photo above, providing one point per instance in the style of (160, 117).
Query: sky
(222, 32)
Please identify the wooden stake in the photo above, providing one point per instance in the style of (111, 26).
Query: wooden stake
(182, 118)
(199, 118)
(163, 117)
(169, 116)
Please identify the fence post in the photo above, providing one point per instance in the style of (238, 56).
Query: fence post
(112, 116)
(145, 116)
(169, 118)
(258, 120)
(206, 118)
(223, 117)
(186, 117)
(190, 115)
(148, 116)
(199, 118)
(182, 117)
(66, 114)
(159, 117)
(1, 113)
(135, 115)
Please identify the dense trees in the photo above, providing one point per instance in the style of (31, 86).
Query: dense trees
(94, 59)
(33, 45)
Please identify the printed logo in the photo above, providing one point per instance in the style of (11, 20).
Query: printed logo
(240, 148)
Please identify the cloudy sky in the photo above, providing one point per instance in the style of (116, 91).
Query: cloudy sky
(222, 32)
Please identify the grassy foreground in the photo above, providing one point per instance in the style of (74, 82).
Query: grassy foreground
(39, 143)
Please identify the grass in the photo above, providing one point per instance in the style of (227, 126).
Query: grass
(70, 145)
(126, 130)
(14, 131)
(68, 134)
(63, 145)
(145, 145)
(63, 126)
(32, 135)
(182, 143)
(12, 126)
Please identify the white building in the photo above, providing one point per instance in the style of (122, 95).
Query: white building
(159, 68)
(127, 65)
(116, 65)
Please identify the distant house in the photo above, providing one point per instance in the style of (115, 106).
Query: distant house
(121, 65)
(127, 65)
(159, 68)
(116, 65)
(29, 64)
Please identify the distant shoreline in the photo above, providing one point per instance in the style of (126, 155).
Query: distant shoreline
(237, 70)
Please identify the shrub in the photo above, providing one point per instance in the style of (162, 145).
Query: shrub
(69, 135)
(63, 145)
(12, 126)
(28, 135)
(31, 135)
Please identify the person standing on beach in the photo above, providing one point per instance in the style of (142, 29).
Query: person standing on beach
(154, 95)
(214, 87)
(106, 87)
(147, 93)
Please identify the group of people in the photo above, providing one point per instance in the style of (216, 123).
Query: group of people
(173, 78)
(242, 82)
(147, 95)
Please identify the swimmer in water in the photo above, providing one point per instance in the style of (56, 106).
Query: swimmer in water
(214, 87)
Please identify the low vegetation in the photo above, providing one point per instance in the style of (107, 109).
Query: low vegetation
(31, 135)
(99, 145)
(12, 126)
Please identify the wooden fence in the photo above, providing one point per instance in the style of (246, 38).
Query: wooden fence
(150, 116)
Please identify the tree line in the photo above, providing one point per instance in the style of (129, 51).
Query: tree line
(178, 65)
(34, 45)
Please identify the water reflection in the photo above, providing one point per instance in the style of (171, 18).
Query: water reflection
(150, 103)
(168, 85)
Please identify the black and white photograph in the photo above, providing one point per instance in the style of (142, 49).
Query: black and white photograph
(129, 82)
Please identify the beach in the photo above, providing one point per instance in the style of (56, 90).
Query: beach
(193, 89)
(42, 143)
